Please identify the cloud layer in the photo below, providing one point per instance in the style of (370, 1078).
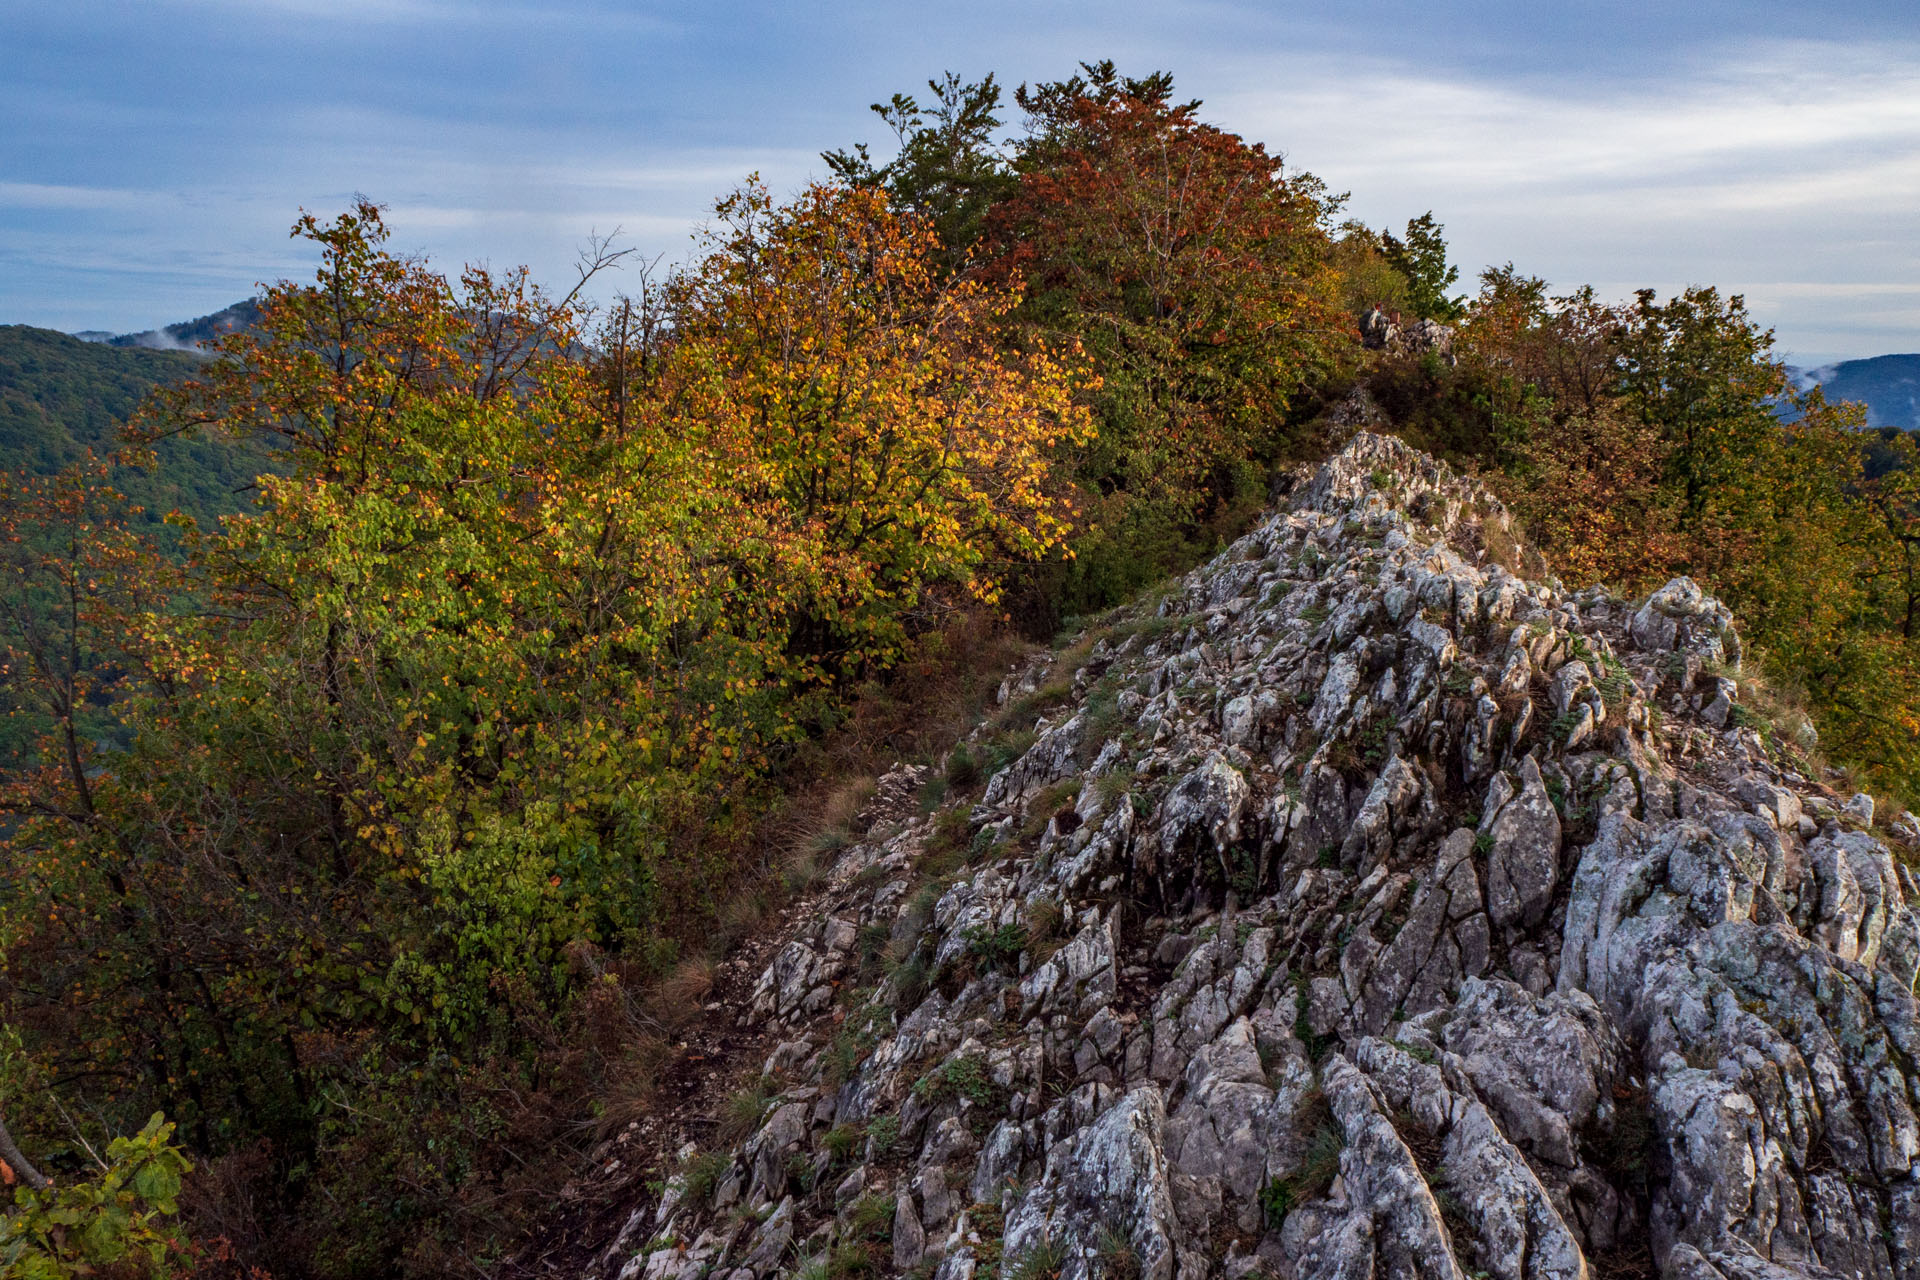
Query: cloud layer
(163, 149)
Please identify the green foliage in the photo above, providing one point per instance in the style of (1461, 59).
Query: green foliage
(996, 949)
(1043, 1261)
(1422, 258)
(119, 1216)
(948, 167)
(62, 399)
(963, 1077)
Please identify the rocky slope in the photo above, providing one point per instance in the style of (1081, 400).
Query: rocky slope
(1360, 909)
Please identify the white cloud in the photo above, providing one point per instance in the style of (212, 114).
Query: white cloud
(1780, 170)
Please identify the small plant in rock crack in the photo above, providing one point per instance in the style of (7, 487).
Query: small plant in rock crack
(1118, 1260)
(742, 1112)
(803, 1172)
(1041, 1262)
(1314, 614)
(1374, 741)
(1244, 872)
(1562, 726)
(1318, 1167)
(1459, 681)
(883, 1135)
(1615, 685)
(1317, 1046)
(843, 1055)
(990, 1224)
(1044, 919)
(964, 1078)
(701, 1174)
(1418, 1052)
(1482, 843)
(1628, 1145)
(996, 949)
(843, 1142)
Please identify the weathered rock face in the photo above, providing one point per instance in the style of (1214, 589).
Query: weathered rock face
(1365, 911)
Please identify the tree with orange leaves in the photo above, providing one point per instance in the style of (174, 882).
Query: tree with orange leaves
(881, 444)
(1197, 274)
(449, 728)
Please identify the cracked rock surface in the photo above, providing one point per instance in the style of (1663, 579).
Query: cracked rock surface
(1362, 908)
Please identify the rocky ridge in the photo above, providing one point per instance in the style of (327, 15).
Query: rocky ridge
(1362, 908)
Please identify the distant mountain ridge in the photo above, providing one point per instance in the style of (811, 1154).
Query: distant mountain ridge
(185, 336)
(1888, 385)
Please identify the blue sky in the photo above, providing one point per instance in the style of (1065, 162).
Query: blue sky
(156, 151)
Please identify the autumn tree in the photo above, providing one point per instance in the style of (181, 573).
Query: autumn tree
(456, 730)
(1195, 272)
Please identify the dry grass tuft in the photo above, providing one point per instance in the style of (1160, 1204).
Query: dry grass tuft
(675, 1000)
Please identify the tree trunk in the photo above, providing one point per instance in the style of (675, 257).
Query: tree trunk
(18, 1163)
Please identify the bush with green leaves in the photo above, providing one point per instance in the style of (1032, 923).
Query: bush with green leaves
(119, 1217)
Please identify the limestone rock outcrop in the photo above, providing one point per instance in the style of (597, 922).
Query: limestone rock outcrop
(1361, 909)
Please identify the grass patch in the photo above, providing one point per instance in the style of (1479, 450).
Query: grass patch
(963, 768)
(1118, 1259)
(701, 1174)
(744, 1109)
(1318, 1167)
(1042, 1262)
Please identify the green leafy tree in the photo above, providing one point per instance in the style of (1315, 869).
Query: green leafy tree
(949, 167)
(1421, 258)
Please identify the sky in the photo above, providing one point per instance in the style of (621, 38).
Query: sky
(157, 151)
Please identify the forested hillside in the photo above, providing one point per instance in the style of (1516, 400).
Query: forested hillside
(549, 658)
(61, 397)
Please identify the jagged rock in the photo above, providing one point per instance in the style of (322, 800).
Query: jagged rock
(1254, 994)
(1111, 1178)
(1523, 864)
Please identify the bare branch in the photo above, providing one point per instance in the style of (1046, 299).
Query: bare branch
(19, 1163)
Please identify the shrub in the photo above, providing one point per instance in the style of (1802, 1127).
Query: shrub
(117, 1218)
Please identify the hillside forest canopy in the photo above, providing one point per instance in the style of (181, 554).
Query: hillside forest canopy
(373, 832)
